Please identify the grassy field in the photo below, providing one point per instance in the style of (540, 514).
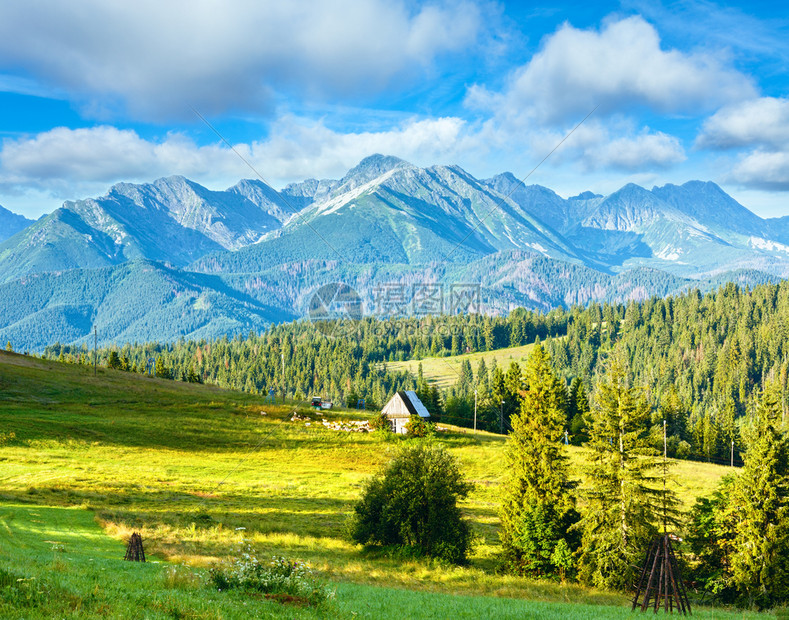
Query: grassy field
(200, 471)
(444, 371)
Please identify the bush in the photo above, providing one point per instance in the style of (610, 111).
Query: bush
(412, 503)
(280, 578)
(418, 427)
(381, 423)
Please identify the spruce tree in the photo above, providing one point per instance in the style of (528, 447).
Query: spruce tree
(487, 335)
(161, 370)
(482, 374)
(511, 394)
(192, 376)
(578, 406)
(114, 361)
(538, 508)
(436, 408)
(465, 383)
(623, 506)
(760, 501)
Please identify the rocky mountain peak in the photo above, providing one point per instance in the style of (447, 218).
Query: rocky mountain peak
(587, 195)
(708, 203)
(368, 169)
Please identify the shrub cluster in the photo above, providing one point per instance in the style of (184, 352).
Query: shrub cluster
(279, 577)
(380, 423)
(412, 504)
(418, 427)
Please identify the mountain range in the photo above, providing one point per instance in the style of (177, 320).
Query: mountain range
(11, 223)
(171, 258)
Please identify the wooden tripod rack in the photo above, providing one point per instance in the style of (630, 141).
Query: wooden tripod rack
(660, 584)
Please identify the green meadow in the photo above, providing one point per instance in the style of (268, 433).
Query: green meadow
(444, 371)
(199, 472)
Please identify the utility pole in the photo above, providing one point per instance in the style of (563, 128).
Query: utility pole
(283, 376)
(501, 418)
(475, 411)
(95, 350)
(665, 451)
(732, 453)
(665, 475)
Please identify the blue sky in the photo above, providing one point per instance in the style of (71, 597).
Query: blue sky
(93, 93)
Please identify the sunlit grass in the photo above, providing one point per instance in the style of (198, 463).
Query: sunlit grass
(444, 371)
(199, 471)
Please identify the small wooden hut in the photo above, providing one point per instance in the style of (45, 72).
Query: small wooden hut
(401, 407)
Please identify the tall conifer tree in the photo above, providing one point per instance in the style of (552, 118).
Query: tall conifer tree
(760, 564)
(577, 412)
(538, 508)
(623, 508)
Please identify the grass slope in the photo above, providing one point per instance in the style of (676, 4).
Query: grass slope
(444, 371)
(199, 471)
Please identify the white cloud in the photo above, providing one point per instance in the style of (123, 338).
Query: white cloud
(762, 169)
(618, 68)
(613, 144)
(100, 154)
(298, 149)
(608, 144)
(620, 71)
(67, 162)
(762, 122)
(760, 129)
(157, 59)
(632, 153)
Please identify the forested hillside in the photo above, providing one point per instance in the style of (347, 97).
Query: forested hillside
(701, 359)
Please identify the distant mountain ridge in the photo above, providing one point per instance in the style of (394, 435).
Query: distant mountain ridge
(387, 210)
(259, 253)
(172, 219)
(11, 223)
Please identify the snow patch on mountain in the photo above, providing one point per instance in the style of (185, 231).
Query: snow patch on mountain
(768, 245)
(669, 253)
(331, 206)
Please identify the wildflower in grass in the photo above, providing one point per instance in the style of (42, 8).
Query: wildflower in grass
(276, 576)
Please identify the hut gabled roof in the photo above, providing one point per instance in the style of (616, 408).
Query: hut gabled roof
(410, 401)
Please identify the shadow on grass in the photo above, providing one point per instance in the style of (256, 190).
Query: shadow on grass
(135, 509)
